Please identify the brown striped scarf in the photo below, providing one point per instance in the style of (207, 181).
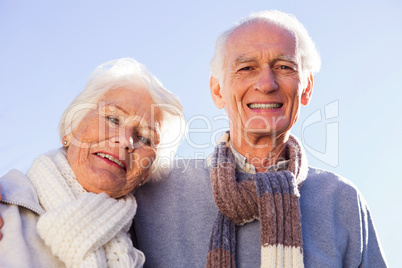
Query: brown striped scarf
(271, 197)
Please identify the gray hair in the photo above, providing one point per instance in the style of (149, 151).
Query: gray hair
(129, 72)
(309, 57)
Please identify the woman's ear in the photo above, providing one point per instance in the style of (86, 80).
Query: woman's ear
(146, 178)
(308, 91)
(67, 140)
(216, 92)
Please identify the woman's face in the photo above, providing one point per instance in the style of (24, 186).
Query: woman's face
(114, 146)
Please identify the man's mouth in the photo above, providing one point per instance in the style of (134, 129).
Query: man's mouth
(264, 105)
(111, 158)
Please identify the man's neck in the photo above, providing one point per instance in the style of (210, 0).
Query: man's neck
(260, 151)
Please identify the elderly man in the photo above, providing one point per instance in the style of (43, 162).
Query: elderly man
(255, 202)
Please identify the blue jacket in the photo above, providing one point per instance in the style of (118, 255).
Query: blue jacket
(175, 217)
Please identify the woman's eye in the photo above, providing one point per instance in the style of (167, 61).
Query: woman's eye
(144, 140)
(113, 120)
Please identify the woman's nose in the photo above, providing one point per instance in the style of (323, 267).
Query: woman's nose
(130, 147)
(125, 140)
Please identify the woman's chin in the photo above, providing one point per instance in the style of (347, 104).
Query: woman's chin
(105, 181)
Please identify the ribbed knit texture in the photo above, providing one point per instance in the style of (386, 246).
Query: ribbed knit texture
(83, 229)
(271, 197)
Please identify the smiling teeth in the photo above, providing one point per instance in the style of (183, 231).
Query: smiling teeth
(265, 105)
(111, 158)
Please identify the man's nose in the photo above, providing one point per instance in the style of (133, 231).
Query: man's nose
(266, 81)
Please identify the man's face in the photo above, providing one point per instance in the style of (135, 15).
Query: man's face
(262, 85)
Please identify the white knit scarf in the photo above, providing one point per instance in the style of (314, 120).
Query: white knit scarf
(83, 229)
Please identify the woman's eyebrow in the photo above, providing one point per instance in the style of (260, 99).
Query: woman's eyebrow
(115, 106)
(148, 127)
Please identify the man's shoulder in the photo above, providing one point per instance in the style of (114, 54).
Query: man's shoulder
(183, 173)
(189, 167)
(196, 163)
(319, 175)
(326, 183)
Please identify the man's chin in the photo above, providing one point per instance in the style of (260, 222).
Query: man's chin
(262, 131)
(266, 132)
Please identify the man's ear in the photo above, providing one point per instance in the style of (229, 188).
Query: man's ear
(216, 92)
(308, 91)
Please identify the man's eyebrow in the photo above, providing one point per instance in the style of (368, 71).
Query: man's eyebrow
(246, 59)
(288, 58)
(243, 59)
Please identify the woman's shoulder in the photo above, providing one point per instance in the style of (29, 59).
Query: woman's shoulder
(12, 181)
(19, 229)
(17, 189)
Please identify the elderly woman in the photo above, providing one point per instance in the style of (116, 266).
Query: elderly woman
(74, 207)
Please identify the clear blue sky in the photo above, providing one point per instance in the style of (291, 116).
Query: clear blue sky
(48, 49)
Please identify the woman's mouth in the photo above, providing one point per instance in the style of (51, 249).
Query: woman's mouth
(112, 159)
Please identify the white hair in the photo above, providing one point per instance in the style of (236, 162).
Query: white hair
(128, 72)
(309, 57)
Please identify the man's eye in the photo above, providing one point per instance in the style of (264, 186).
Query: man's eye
(248, 68)
(284, 67)
(113, 120)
